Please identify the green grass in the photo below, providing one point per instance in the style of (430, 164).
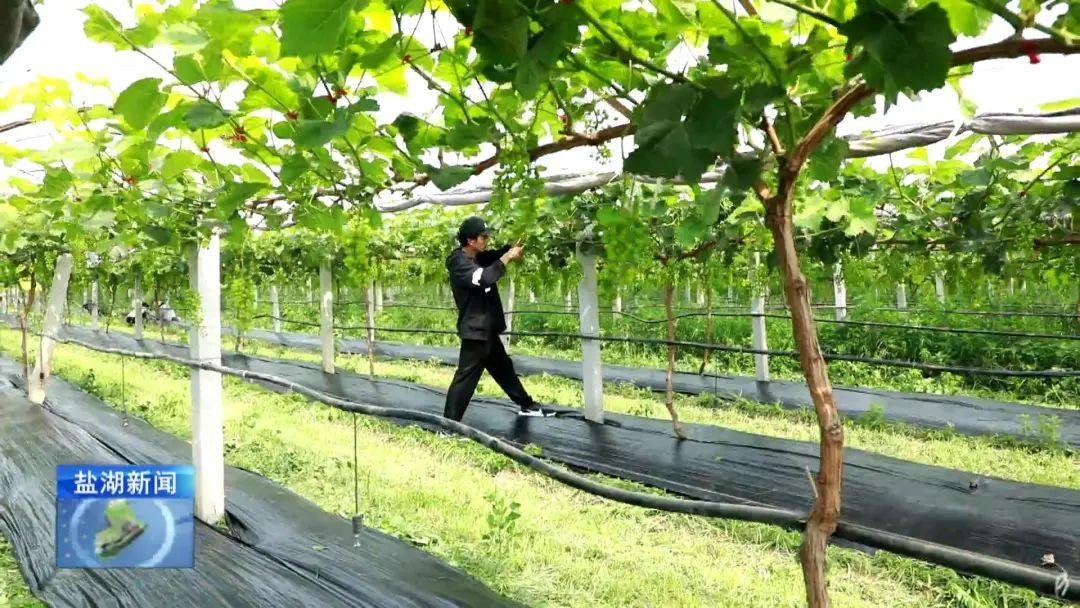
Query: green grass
(13, 590)
(567, 549)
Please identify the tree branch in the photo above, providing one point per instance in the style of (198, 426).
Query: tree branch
(809, 12)
(839, 109)
(628, 54)
(15, 125)
(1071, 239)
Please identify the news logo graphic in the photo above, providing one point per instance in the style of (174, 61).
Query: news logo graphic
(125, 516)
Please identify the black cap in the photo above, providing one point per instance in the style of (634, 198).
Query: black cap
(474, 226)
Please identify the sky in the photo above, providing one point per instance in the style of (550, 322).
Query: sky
(59, 48)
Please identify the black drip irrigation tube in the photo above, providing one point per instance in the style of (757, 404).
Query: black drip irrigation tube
(982, 313)
(1043, 581)
(931, 367)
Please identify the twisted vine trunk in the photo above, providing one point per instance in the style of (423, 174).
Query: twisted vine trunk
(826, 509)
(669, 395)
(24, 326)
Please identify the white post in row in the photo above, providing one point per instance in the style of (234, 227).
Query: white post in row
(207, 419)
(901, 296)
(939, 288)
(508, 314)
(701, 297)
(136, 304)
(532, 297)
(326, 316)
(275, 308)
(757, 309)
(53, 312)
(370, 300)
(569, 302)
(617, 306)
(839, 292)
(378, 296)
(589, 318)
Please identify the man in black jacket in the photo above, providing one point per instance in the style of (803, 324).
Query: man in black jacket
(474, 272)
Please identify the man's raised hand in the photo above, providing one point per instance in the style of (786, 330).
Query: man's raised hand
(514, 253)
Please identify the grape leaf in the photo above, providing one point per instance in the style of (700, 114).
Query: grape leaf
(965, 17)
(681, 131)
(204, 115)
(233, 195)
(449, 176)
(103, 27)
(292, 168)
(309, 27)
(501, 32)
(315, 133)
(901, 53)
(177, 163)
(158, 234)
(559, 35)
(185, 38)
(140, 102)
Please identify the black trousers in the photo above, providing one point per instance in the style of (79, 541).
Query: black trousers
(474, 358)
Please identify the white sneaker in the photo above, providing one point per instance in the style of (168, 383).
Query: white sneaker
(536, 411)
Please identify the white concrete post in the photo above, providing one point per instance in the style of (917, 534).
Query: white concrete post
(326, 316)
(617, 306)
(569, 300)
(839, 292)
(939, 288)
(275, 308)
(589, 319)
(532, 297)
(53, 313)
(901, 296)
(370, 299)
(700, 297)
(207, 420)
(378, 296)
(94, 291)
(508, 314)
(136, 303)
(757, 308)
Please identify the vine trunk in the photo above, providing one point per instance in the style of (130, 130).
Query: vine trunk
(827, 489)
(669, 395)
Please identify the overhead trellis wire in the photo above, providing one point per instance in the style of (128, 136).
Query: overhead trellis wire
(862, 145)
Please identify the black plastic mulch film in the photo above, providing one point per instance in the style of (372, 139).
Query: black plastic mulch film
(932, 513)
(967, 415)
(282, 549)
